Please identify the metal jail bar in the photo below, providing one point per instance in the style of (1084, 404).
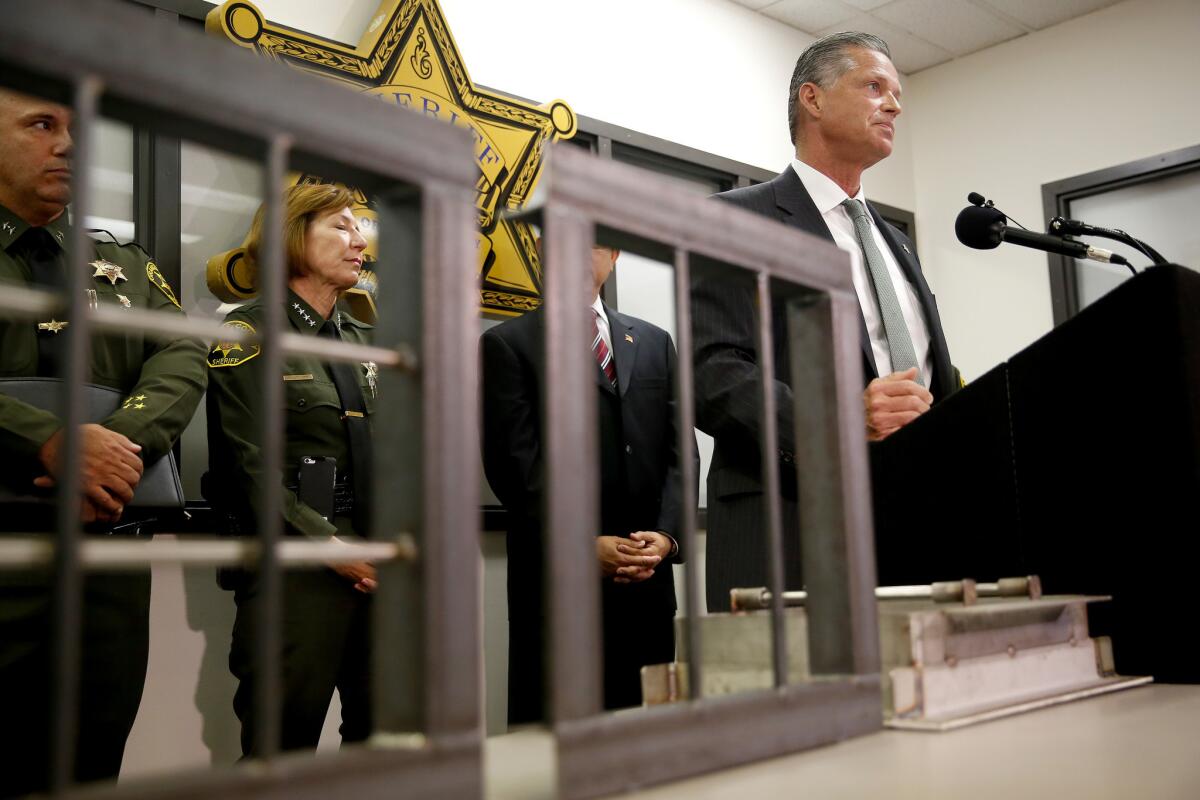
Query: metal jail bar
(177, 81)
(578, 195)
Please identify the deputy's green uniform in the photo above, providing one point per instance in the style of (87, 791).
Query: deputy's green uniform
(325, 620)
(162, 383)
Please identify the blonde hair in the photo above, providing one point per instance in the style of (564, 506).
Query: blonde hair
(302, 203)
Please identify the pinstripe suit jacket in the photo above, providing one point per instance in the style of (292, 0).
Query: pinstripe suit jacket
(727, 397)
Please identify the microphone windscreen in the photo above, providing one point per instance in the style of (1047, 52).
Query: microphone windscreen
(975, 199)
(981, 228)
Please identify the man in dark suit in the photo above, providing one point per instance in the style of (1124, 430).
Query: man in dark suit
(640, 492)
(843, 103)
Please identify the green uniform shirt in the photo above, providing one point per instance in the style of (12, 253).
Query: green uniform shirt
(163, 381)
(313, 423)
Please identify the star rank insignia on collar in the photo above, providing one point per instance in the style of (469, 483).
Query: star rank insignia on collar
(107, 269)
(304, 315)
(8, 227)
(54, 326)
(135, 401)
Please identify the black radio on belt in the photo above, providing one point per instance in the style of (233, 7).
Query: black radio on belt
(316, 481)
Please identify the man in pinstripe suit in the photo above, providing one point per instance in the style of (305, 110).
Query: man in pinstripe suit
(843, 102)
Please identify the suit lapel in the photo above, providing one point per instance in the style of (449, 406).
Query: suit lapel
(801, 212)
(624, 348)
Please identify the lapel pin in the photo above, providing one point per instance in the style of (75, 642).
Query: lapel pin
(629, 338)
(905, 248)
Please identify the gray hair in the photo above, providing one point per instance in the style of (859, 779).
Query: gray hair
(823, 62)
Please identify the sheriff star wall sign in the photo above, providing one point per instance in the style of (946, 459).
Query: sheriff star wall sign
(408, 58)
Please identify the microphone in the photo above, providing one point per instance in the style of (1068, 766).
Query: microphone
(1074, 227)
(976, 199)
(984, 228)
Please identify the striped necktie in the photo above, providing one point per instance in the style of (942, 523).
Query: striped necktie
(601, 351)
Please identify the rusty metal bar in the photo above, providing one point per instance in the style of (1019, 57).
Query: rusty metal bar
(769, 447)
(685, 419)
(117, 554)
(68, 573)
(705, 733)
(834, 492)
(399, 671)
(267, 653)
(19, 302)
(572, 585)
(176, 81)
(453, 663)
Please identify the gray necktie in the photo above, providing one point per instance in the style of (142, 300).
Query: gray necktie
(899, 341)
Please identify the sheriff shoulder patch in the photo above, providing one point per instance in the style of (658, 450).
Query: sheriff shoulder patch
(158, 280)
(228, 353)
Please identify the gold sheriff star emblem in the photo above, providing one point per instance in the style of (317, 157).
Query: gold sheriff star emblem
(54, 326)
(107, 269)
(408, 58)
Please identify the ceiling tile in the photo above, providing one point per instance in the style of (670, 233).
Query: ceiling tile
(909, 53)
(1039, 14)
(953, 25)
(810, 15)
(755, 4)
(866, 5)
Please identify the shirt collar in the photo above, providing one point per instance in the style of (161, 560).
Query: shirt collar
(598, 307)
(825, 193)
(13, 227)
(302, 315)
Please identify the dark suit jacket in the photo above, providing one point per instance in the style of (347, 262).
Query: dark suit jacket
(639, 470)
(727, 396)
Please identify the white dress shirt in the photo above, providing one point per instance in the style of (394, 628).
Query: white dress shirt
(602, 323)
(828, 198)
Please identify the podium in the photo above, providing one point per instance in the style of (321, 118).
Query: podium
(1077, 460)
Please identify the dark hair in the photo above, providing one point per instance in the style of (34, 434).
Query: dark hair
(823, 62)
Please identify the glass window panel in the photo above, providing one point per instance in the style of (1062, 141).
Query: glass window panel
(218, 194)
(1160, 213)
(111, 201)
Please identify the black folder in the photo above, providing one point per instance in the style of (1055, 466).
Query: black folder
(159, 487)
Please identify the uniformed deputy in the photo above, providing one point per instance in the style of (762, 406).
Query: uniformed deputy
(328, 420)
(161, 383)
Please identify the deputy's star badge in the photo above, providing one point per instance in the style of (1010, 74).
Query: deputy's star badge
(107, 269)
(54, 326)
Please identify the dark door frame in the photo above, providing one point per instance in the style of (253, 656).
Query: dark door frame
(1058, 196)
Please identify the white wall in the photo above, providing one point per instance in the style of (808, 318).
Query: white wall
(1111, 87)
